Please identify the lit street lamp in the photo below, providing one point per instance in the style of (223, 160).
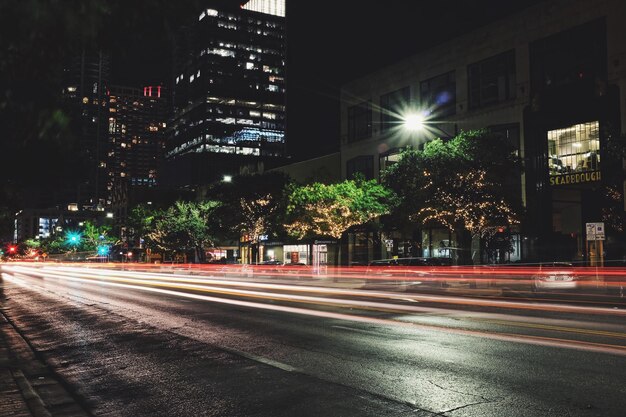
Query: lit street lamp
(414, 122)
(421, 122)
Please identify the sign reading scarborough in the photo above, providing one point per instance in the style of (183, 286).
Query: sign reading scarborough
(577, 178)
(595, 231)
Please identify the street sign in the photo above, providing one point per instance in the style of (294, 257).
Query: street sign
(595, 231)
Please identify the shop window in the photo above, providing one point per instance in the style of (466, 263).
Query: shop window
(492, 80)
(392, 107)
(438, 94)
(574, 149)
(359, 122)
(296, 254)
(363, 165)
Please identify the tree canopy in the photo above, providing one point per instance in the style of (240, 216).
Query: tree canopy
(184, 226)
(320, 210)
(464, 184)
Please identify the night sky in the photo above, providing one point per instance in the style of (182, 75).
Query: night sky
(329, 42)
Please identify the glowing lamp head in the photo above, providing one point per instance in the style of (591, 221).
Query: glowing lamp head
(414, 122)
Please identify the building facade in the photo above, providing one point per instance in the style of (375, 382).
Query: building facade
(550, 79)
(137, 125)
(86, 81)
(229, 93)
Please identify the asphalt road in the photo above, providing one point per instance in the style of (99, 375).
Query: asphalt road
(177, 345)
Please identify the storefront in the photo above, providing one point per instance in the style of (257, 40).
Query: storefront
(574, 166)
(296, 254)
(273, 251)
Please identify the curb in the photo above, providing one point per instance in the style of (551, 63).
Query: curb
(33, 400)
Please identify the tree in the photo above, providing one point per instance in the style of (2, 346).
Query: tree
(141, 221)
(251, 206)
(185, 226)
(93, 236)
(320, 210)
(460, 184)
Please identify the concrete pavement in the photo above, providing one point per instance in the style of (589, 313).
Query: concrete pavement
(27, 386)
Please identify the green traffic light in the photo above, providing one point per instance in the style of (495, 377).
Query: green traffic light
(73, 238)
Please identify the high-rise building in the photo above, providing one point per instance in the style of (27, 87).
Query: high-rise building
(137, 124)
(86, 79)
(229, 93)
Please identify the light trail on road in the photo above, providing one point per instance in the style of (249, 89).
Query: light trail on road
(222, 291)
(193, 283)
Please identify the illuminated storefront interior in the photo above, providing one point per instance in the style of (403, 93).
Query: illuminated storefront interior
(574, 149)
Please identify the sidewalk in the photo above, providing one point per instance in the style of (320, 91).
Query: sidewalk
(27, 387)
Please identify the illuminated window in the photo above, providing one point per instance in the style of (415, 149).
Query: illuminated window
(574, 149)
(221, 52)
(85, 100)
(249, 65)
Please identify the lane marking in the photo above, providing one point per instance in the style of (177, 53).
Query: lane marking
(551, 327)
(352, 329)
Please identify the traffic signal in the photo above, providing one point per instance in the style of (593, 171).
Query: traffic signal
(73, 238)
(12, 249)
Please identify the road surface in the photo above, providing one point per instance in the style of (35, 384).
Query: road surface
(179, 344)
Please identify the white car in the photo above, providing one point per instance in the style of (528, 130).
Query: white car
(555, 276)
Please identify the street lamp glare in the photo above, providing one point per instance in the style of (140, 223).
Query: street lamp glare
(414, 122)
(227, 178)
